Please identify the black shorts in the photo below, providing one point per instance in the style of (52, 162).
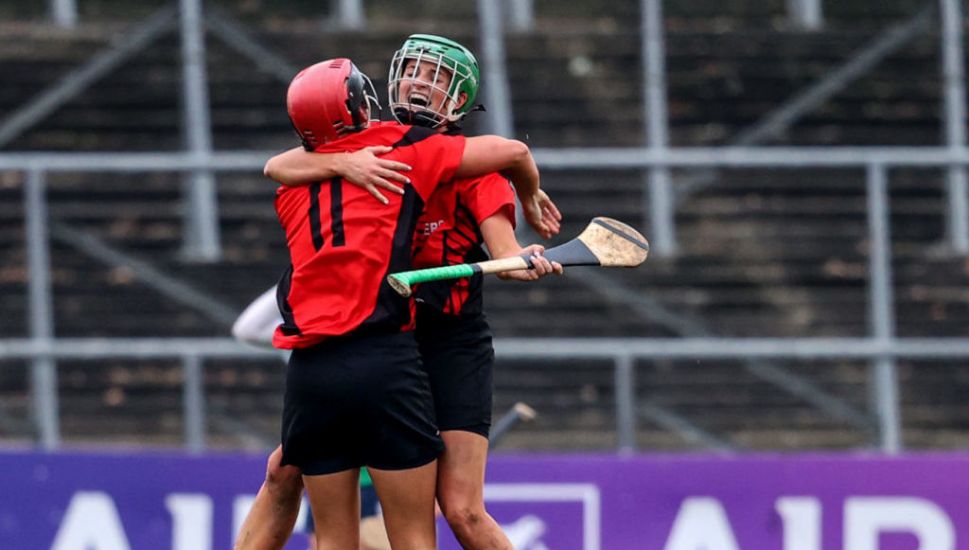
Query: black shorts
(358, 401)
(459, 357)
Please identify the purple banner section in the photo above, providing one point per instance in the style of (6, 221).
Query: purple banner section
(81, 501)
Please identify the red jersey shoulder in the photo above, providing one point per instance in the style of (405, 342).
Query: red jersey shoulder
(379, 134)
(486, 195)
(433, 157)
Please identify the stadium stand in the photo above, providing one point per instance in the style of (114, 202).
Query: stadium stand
(763, 252)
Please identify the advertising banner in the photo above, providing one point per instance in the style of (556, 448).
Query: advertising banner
(157, 501)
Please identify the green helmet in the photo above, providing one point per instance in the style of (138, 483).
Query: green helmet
(416, 66)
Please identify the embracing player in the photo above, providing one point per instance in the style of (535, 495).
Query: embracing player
(433, 82)
(355, 392)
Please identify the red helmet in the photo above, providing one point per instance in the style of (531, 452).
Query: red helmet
(324, 101)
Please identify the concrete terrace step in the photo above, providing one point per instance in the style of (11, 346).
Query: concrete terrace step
(224, 81)
(14, 382)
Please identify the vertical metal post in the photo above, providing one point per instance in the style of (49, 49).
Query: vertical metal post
(194, 403)
(521, 15)
(805, 14)
(63, 12)
(500, 119)
(495, 77)
(882, 308)
(43, 372)
(201, 211)
(350, 15)
(655, 118)
(953, 75)
(625, 383)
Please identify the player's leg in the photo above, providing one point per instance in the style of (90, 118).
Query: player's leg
(407, 501)
(459, 358)
(270, 521)
(373, 533)
(364, 399)
(335, 502)
(460, 492)
(405, 442)
(323, 408)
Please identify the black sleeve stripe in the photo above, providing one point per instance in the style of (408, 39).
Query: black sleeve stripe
(314, 215)
(463, 213)
(414, 135)
(470, 240)
(336, 212)
(472, 221)
(289, 326)
(391, 308)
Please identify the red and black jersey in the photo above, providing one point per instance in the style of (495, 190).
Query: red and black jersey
(448, 234)
(343, 243)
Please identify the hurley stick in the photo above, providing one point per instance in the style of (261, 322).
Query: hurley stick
(604, 242)
(520, 412)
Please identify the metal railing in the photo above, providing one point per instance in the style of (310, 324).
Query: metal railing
(655, 158)
(202, 234)
(621, 351)
(882, 347)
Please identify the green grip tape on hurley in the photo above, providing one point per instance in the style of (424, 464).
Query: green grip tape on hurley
(401, 282)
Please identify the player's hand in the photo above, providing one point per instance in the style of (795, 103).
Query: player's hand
(542, 214)
(550, 213)
(541, 266)
(366, 169)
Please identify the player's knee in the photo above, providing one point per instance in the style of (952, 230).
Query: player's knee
(465, 520)
(282, 481)
(464, 517)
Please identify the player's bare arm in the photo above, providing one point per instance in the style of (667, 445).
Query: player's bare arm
(365, 168)
(513, 160)
(499, 235)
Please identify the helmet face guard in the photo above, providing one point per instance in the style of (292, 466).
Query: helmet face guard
(360, 93)
(438, 57)
(325, 101)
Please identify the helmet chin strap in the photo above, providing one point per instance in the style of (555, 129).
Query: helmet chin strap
(423, 116)
(427, 120)
(417, 118)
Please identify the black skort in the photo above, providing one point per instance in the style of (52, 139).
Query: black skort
(358, 400)
(459, 357)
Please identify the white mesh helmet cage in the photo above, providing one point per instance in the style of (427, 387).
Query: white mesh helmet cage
(416, 109)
